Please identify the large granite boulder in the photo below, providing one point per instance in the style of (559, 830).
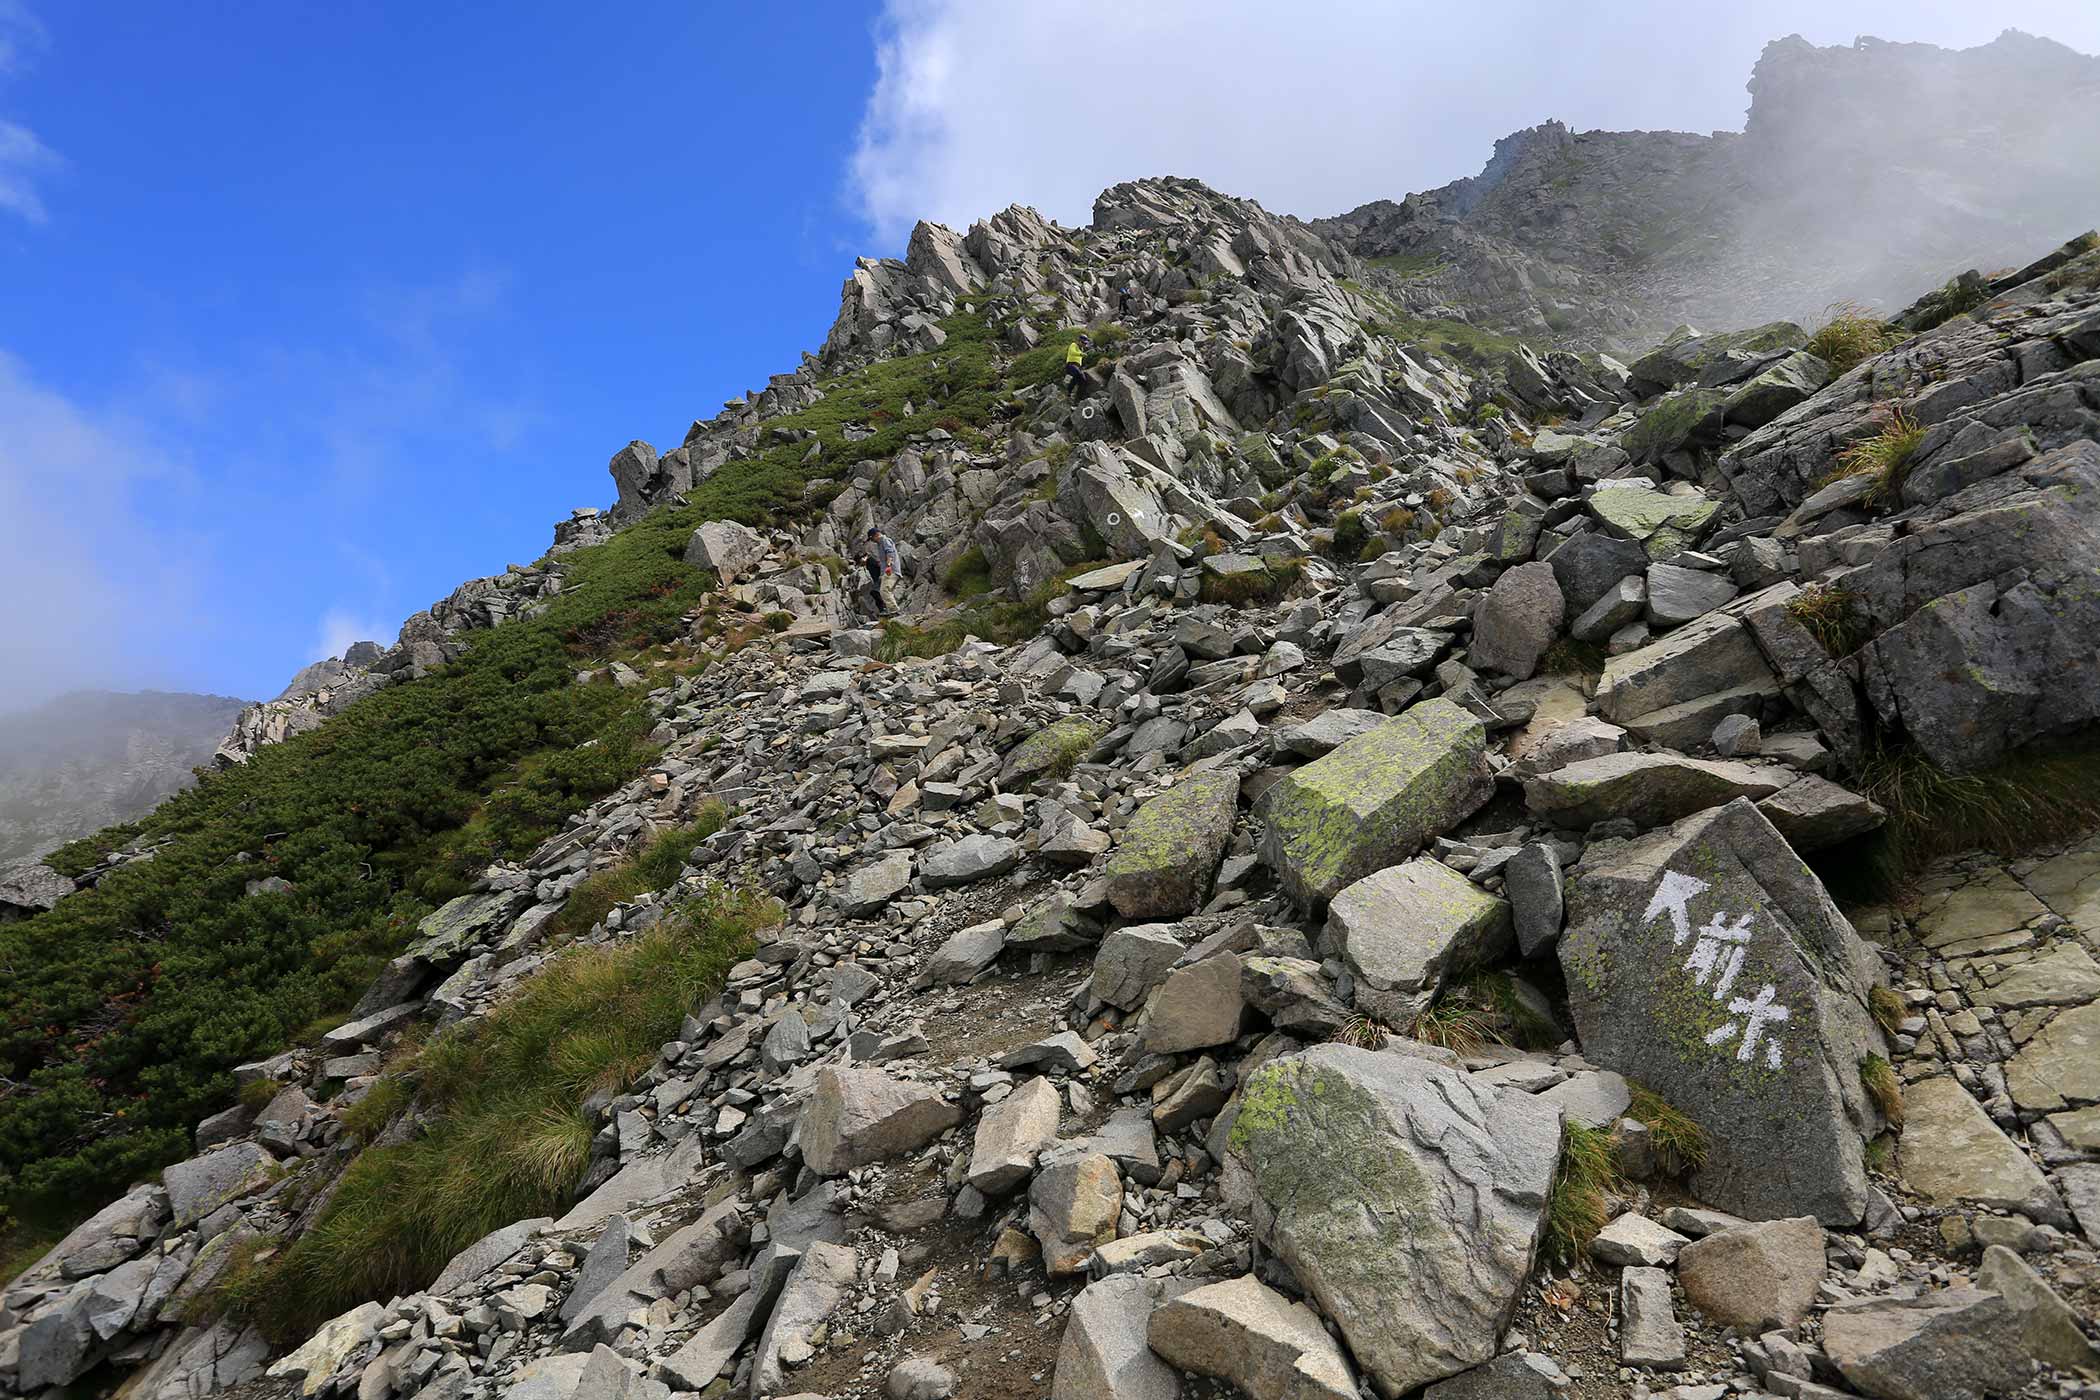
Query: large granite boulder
(1404, 930)
(1516, 620)
(858, 1116)
(1407, 1198)
(1375, 800)
(1164, 862)
(733, 551)
(1955, 1344)
(1709, 963)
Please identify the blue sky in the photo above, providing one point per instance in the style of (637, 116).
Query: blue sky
(327, 308)
(308, 312)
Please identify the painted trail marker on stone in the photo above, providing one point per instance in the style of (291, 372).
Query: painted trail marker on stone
(1706, 962)
(1717, 957)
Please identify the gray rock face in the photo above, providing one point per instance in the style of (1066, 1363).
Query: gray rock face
(1532, 879)
(1708, 962)
(486, 1253)
(872, 886)
(1133, 961)
(1676, 595)
(1104, 1355)
(697, 1253)
(1249, 1334)
(606, 1262)
(858, 1116)
(31, 888)
(2049, 1326)
(1163, 864)
(1591, 564)
(1407, 1198)
(1649, 1332)
(1514, 1375)
(1650, 788)
(1517, 620)
(1952, 1151)
(820, 1280)
(1073, 1206)
(1196, 1007)
(1375, 800)
(201, 1185)
(1326, 731)
(733, 551)
(964, 954)
(1755, 1277)
(1956, 1344)
(1403, 930)
(1011, 1135)
(968, 860)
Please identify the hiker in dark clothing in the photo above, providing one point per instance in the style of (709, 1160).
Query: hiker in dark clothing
(883, 563)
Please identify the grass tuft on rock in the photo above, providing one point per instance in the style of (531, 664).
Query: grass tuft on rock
(1680, 1143)
(2040, 797)
(1830, 617)
(654, 868)
(1878, 1077)
(1579, 1203)
(1362, 1032)
(1884, 457)
(505, 1135)
(1887, 1009)
(1266, 586)
(1456, 1023)
(1850, 337)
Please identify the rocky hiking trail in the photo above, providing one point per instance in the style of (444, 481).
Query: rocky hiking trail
(1363, 931)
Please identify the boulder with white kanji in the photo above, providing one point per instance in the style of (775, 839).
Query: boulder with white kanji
(1707, 962)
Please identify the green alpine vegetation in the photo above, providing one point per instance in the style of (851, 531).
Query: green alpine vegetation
(505, 1136)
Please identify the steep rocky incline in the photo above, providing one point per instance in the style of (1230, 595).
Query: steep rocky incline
(1364, 931)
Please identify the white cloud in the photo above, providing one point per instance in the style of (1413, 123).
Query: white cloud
(97, 595)
(341, 627)
(23, 156)
(1317, 107)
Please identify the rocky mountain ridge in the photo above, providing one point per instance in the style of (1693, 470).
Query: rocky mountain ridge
(1364, 931)
(1862, 173)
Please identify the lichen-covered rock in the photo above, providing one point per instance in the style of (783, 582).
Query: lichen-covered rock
(1408, 1199)
(1706, 961)
(1050, 749)
(1375, 800)
(1403, 931)
(1163, 864)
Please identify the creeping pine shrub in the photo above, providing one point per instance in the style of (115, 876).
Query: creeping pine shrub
(505, 1135)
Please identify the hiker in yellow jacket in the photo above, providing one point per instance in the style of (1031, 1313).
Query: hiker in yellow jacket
(1075, 356)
